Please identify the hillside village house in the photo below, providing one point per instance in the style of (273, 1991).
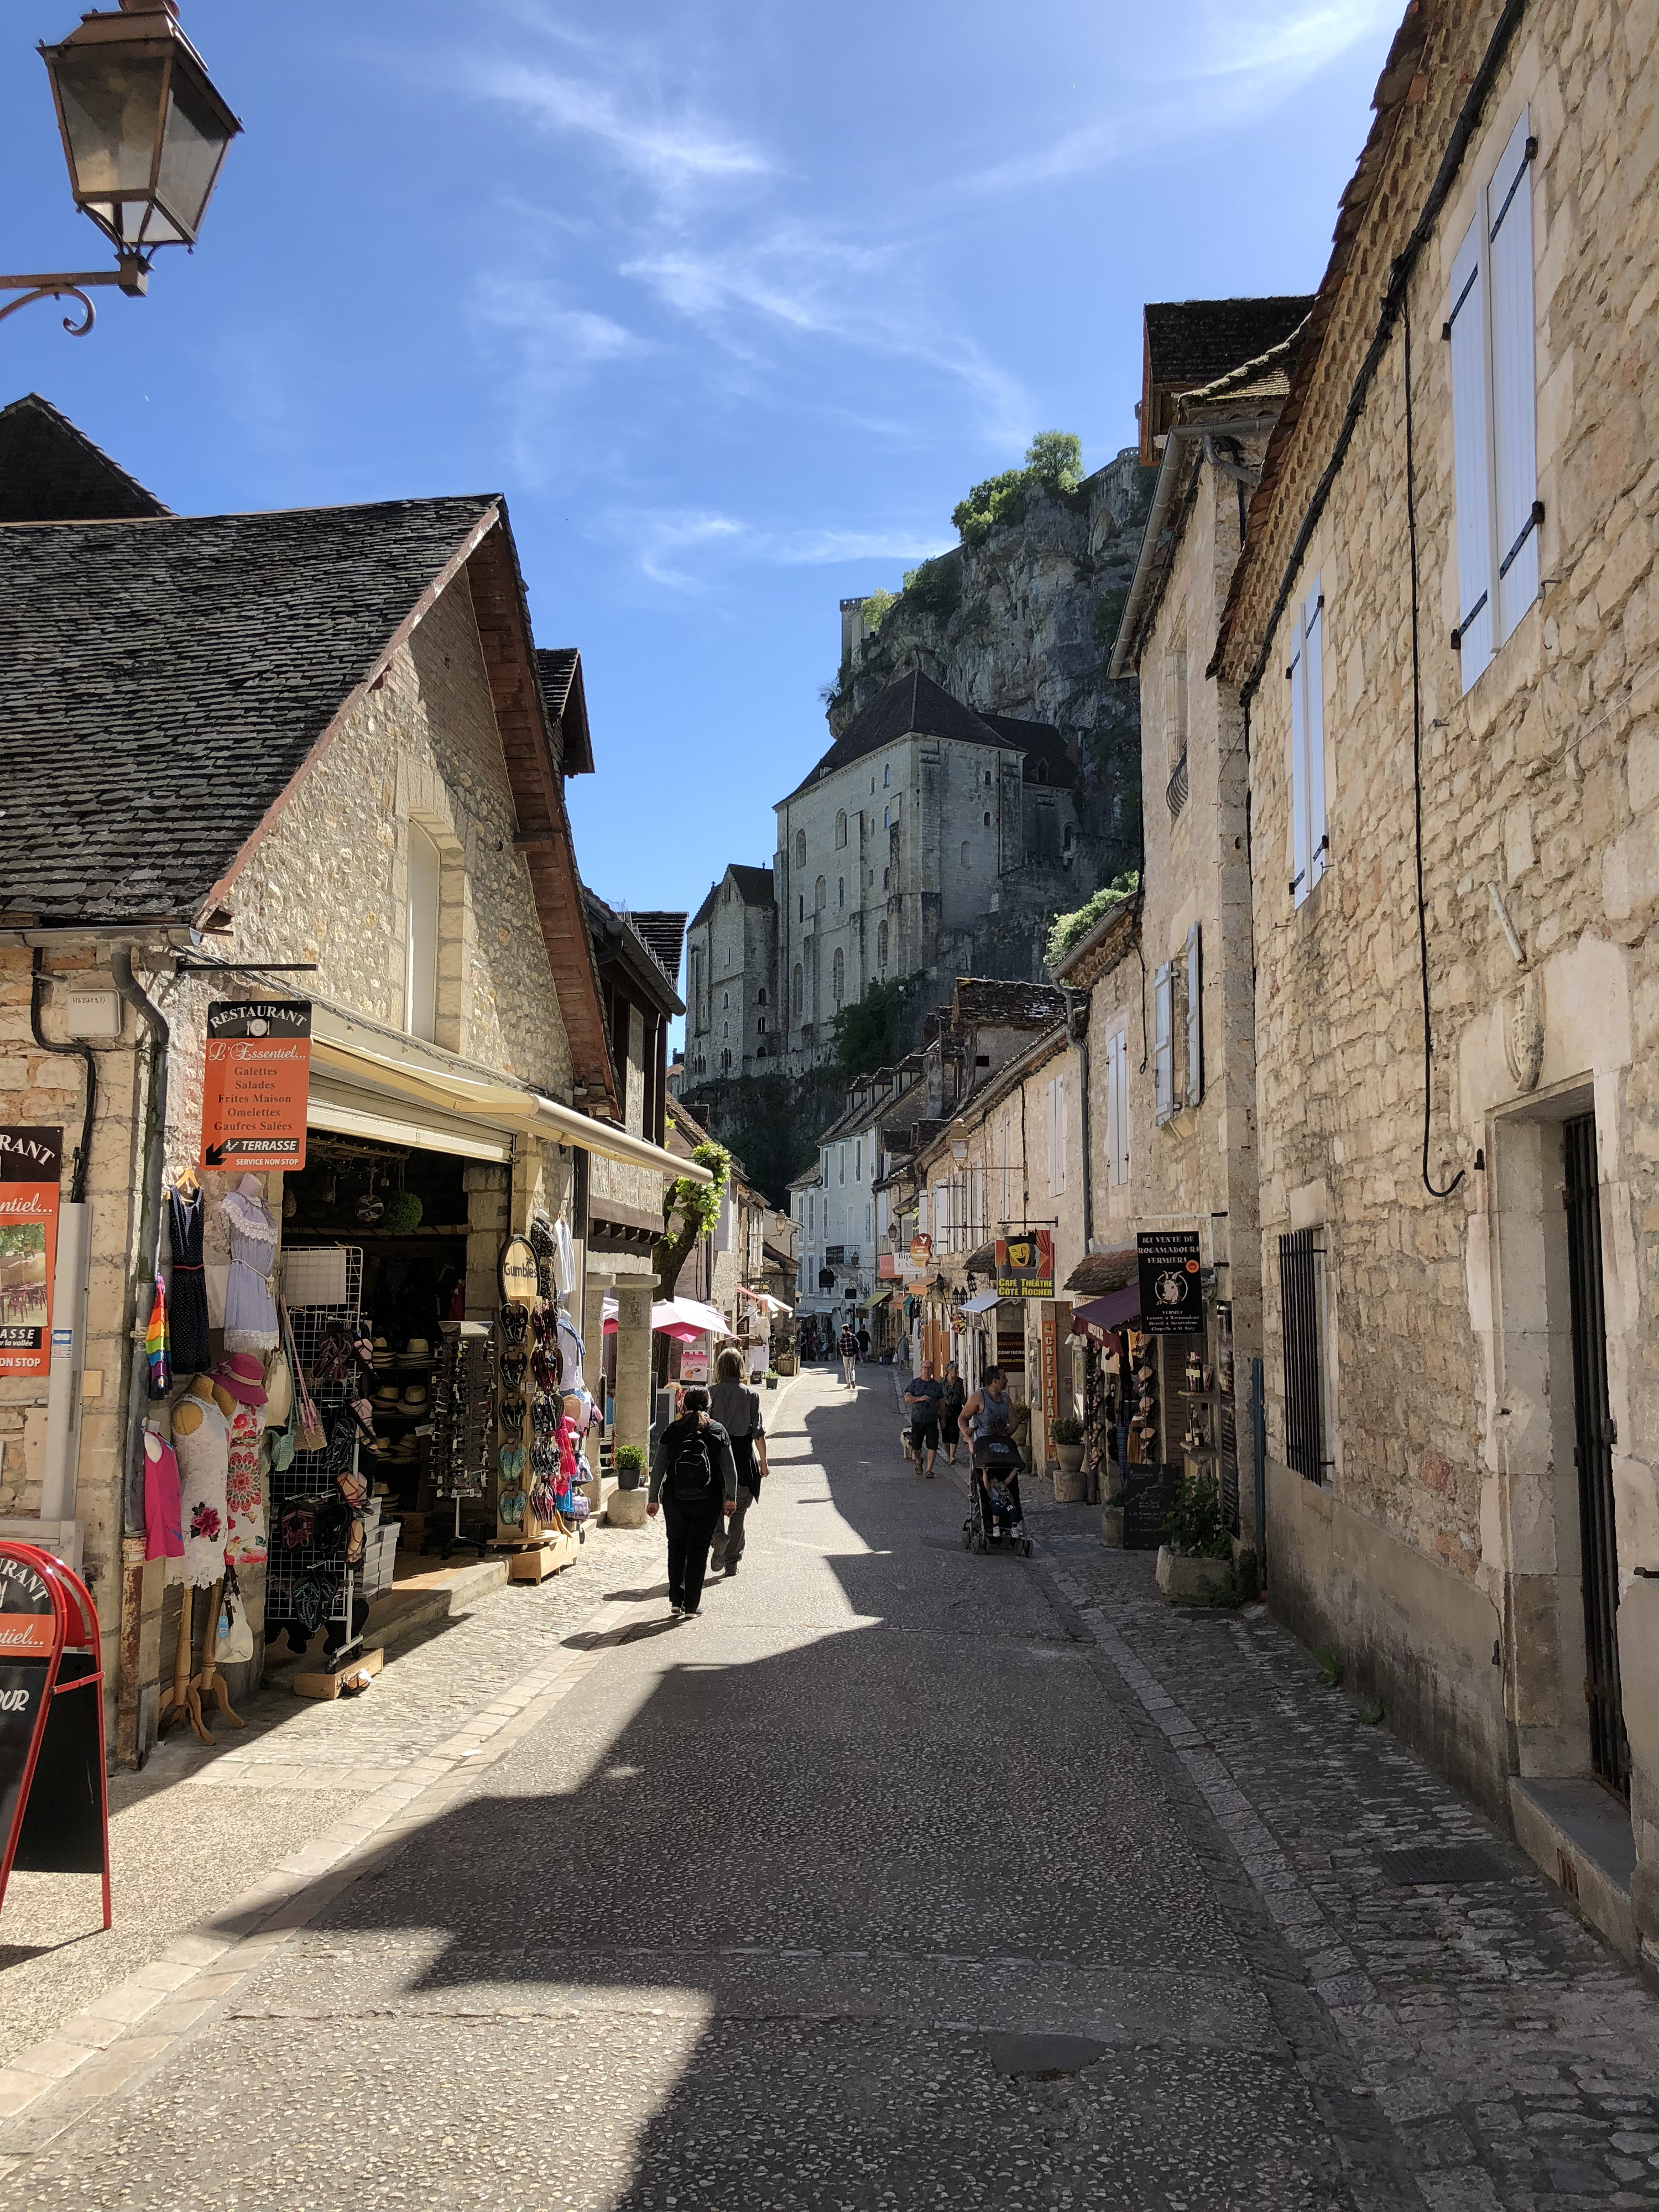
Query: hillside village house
(732, 1025)
(309, 755)
(1441, 640)
(1189, 1120)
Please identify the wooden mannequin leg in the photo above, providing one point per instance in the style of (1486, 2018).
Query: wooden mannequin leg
(211, 1679)
(176, 1707)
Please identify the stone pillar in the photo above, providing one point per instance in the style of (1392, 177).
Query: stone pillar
(633, 1402)
(487, 1198)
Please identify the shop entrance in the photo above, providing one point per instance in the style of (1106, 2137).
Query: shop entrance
(1593, 1456)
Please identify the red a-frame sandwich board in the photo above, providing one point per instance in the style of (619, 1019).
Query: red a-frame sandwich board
(54, 1802)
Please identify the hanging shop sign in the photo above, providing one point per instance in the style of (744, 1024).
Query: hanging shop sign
(1026, 1265)
(31, 1162)
(54, 1812)
(255, 1084)
(921, 1251)
(1171, 1298)
(519, 1275)
(1050, 1366)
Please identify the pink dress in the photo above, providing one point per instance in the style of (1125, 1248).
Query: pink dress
(244, 1504)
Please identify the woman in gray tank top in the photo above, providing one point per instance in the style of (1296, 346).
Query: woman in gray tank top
(738, 1410)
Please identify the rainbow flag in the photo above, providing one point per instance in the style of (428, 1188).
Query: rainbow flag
(155, 1344)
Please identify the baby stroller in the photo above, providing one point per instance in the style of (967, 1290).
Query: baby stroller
(995, 1519)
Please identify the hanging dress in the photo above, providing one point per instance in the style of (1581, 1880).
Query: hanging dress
(163, 1535)
(188, 1314)
(250, 1308)
(244, 1504)
(203, 1468)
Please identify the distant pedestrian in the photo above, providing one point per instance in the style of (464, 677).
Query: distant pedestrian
(737, 1409)
(864, 1342)
(923, 1399)
(848, 1348)
(949, 1411)
(693, 1478)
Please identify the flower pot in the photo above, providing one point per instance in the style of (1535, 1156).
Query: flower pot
(629, 1478)
(1070, 1456)
(1182, 1581)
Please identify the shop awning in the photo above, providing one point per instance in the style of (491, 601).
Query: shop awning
(764, 1298)
(982, 1304)
(1100, 1314)
(685, 1318)
(877, 1299)
(375, 1064)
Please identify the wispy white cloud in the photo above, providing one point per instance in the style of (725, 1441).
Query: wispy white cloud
(693, 551)
(669, 150)
(548, 347)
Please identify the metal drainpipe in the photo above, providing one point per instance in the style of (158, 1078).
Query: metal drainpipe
(127, 1749)
(69, 1295)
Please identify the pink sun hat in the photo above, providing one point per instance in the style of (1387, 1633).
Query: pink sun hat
(242, 1373)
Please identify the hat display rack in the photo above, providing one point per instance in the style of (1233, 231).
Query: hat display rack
(311, 1576)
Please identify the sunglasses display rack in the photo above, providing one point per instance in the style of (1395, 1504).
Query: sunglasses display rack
(529, 1525)
(463, 1422)
(302, 1582)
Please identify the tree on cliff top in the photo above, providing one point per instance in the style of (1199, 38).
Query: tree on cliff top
(1053, 458)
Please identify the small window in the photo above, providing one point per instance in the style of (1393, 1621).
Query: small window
(886, 817)
(881, 945)
(760, 996)
(800, 848)
(887, 776)
(1164, 1042)
(858, 1160)
(726, 1002)
(800, 906)
(987, 779)
(820, 895)
(795, 989)
(1118, 1107)
(841, 890)
(841, 830)
(420, 936)
(760, 1026)
(987, 821)
(1310, 834)
(887, 879)
(838, 979)
(1303, 1313)
(967, 856)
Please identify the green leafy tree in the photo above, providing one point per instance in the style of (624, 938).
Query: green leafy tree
(875, 605)
(1055, 456)
(697, 1206)
(866, 1032)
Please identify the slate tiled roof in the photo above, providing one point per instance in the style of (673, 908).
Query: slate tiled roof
(1190, 342)
(754, 884)
(560, 669)
(164, 679)
(916, 704)
(664, 938)
(50, 472)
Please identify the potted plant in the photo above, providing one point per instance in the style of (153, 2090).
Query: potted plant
(771, 1379)
(1065, 1435)
(1195, 1560)
(629, 1463)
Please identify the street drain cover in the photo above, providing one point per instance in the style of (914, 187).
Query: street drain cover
(1043, 2057)
(1461, 1863)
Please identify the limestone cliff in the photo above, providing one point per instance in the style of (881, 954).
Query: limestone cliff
(1023, 624)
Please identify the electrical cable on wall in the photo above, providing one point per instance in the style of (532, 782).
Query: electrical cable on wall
(1432, 1188)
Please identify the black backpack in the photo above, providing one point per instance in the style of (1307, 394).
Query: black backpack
(691, 1465)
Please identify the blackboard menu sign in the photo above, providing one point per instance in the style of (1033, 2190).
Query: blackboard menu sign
(1171, 1302)
(54, 1815)
(1149, 1492)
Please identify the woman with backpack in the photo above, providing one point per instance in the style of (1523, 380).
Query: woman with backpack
(693, 1478)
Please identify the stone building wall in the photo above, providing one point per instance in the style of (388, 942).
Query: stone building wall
(1446, 1537)
(731, 987)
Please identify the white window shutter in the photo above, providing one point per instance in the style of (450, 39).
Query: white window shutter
(1164, 1041)
(1471, 453)
(1299, 883)
(1313, 724)
(1514, 384)
(1194, 1017)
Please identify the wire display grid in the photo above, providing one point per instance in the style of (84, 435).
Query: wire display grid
(308, 1474)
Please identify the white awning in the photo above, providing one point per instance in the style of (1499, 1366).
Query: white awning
(362, 1059)
(982, 1304)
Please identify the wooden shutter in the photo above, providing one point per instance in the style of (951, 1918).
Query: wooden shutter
(1313, 724)
(1195, 1018)
(1471, 453)
(1513, 381)
(1164, 1041)
(1299, 884)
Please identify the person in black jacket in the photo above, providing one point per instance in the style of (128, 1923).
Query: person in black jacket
(694, 1479)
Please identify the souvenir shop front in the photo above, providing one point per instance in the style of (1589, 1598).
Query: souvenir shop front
(378, 1351)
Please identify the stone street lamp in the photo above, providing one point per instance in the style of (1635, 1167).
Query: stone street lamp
(145, 134)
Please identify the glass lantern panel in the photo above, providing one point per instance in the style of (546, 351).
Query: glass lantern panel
(155, 227)
(111, 108)
(192, 146)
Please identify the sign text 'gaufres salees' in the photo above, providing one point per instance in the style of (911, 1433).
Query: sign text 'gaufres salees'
(31, 1162)
(255, 1084)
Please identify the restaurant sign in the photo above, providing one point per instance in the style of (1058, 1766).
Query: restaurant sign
(1026, 1265)
(31, 1162)
(1171, 1299)
(255, 1082)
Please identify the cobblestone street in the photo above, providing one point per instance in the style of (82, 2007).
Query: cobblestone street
(900, 1877)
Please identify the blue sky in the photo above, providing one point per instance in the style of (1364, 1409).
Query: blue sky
(733, 299)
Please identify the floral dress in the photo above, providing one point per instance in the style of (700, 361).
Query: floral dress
(204, 1458)
(245, 1504)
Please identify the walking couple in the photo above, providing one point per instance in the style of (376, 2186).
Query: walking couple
(705, 1474)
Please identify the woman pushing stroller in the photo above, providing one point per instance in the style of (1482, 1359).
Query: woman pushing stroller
(988, 1421)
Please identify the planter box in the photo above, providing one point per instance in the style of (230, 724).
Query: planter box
(1192, 1582)
(1070, 1482)
(626, 1508)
